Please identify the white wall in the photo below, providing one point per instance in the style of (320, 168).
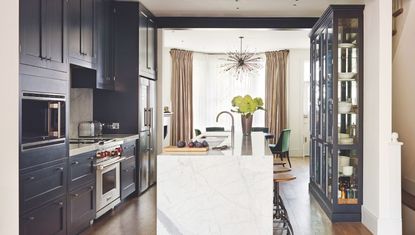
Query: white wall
(381, 211)
(403, 90)
(403, 102)
(9, 104)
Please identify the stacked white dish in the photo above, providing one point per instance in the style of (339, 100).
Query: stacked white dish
(344, 107)
(346, 45)
(345, 139)
(346, 76)
(344, 166)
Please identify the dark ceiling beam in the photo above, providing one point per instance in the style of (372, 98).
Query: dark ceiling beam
(238, 22)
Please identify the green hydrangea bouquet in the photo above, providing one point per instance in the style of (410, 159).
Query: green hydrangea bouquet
(247, 105)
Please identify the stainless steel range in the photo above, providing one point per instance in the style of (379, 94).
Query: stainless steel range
(108, 176)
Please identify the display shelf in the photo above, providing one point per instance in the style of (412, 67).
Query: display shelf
(337, 112)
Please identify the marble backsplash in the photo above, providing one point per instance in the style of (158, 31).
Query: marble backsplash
(81, 108)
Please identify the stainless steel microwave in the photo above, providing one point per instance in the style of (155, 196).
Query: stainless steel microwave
(43, 118)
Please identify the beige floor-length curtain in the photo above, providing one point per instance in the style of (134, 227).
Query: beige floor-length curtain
(181, 95)
(276, 91)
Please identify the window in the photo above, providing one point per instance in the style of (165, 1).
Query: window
(214, 89)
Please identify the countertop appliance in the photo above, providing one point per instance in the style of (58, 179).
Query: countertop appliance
(108, 176)
(147, 127)
(90, 129)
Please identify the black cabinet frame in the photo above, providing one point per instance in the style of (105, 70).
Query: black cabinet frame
(328, 123)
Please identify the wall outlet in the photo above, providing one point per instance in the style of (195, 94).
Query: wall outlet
(115, 125)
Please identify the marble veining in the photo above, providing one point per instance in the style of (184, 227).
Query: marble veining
(214, 194)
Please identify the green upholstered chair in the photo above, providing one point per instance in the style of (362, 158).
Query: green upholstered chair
(281, 149)
(197, 132)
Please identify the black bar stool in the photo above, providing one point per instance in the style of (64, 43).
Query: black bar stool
(280, 218)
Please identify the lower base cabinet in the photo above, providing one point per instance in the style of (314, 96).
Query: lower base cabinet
(81, 208)
(128, 177)
(48, 219)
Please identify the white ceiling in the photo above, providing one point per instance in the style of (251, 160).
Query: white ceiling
(247, 8)
(224, 40)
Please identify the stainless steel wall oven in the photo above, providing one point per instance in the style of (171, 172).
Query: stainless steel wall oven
(43, 119)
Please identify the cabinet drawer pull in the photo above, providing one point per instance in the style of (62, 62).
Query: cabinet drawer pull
(91, 158)
(91, 188)
(75, 195)
(31, 178)
(60, 203)
(75, 163)
(31, 218)
(125, 170)
(59, 168)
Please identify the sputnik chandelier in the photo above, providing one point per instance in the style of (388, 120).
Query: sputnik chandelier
(242, 62)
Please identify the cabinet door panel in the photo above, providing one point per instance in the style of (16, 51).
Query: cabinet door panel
(74, 29)
(151, 47)
(81, 208)
(48, 219)
(105, 63)
(87, 29)
(32, 33)
(81, 169)
(128, 176)
(55, 15)
(39, 186)
(142, 42)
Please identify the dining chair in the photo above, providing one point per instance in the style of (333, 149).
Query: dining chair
(197, 132)
(282, 147)
(209, 129)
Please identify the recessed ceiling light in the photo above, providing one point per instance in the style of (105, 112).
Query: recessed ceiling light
(294, 5)
(237, 8)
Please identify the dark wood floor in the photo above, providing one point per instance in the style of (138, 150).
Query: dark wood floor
(305, 214)
(138, 215)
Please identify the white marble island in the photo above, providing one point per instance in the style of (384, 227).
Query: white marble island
(219, 192)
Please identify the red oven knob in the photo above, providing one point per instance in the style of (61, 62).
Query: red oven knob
(107, 153)
(98, 154)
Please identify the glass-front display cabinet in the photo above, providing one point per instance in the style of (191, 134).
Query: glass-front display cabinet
(336, 111)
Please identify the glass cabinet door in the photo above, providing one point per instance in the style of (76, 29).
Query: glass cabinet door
(329, 84)
(348, 110)
(317, 100)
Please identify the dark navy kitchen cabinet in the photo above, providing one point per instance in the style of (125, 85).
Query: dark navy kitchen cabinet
(48, 219)
(129, 170)
(105, 61)
(82, 32)
(81, 169)
(42, 34)
(81, 208)
(147, 44)
(42, 185)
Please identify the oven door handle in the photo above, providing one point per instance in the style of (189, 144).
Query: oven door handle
(103, 166)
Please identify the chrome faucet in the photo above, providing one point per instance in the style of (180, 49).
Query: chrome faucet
(232, 127)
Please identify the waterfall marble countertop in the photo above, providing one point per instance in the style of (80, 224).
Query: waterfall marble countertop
(219, 192)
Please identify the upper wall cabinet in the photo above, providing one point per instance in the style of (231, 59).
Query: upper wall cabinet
(82, 33)
(105, 59)
(42, 34)
(147, 44)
